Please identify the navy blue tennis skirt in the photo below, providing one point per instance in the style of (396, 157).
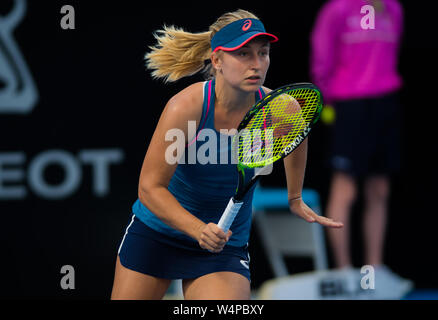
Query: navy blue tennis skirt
(147, 251)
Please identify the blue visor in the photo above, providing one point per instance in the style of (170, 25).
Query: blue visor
(236, 34)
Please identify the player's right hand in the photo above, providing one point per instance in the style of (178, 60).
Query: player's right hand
(213, 238)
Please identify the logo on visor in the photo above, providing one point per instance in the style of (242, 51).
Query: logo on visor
(246, 25)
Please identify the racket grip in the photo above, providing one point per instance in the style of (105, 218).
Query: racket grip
(229, 214)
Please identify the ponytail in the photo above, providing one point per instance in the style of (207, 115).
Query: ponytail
(179, 53)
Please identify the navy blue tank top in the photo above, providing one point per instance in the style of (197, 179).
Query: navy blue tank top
(204, 189)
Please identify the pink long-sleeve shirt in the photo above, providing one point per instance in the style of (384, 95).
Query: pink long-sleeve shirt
(348, 61)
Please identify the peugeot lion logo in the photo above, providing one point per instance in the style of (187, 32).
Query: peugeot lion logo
(18, 92)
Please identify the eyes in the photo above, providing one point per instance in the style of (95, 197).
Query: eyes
(246, 52)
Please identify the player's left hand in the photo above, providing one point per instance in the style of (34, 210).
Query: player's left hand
(298, 207)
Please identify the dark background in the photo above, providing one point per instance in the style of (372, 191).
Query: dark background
(94, 93)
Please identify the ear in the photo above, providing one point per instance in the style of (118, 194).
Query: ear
(216, 60)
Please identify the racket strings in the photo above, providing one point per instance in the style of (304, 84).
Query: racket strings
(276, 126)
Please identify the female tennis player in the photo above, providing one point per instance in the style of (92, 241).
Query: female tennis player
(173, 232)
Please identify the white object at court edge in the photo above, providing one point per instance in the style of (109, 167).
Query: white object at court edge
(229, 214)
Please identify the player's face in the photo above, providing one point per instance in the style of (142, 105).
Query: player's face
(246, 67)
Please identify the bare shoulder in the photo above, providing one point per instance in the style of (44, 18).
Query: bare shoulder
(186, 104)
(266, 90)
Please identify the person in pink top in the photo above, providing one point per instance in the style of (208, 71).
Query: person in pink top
(355, 48)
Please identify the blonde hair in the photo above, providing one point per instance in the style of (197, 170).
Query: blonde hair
(179, 53)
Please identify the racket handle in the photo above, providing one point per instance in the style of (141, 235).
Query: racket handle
(229, 214)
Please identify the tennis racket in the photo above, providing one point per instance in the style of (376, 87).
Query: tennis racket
(271, 130)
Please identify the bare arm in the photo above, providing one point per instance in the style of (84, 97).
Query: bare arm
(156, 171)
(295, 167)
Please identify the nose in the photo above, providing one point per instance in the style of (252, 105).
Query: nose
(255, 62)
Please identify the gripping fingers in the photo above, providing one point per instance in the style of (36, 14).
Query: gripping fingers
(213, 238)
(211, 245)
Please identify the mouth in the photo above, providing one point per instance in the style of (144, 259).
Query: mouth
(253, 78)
